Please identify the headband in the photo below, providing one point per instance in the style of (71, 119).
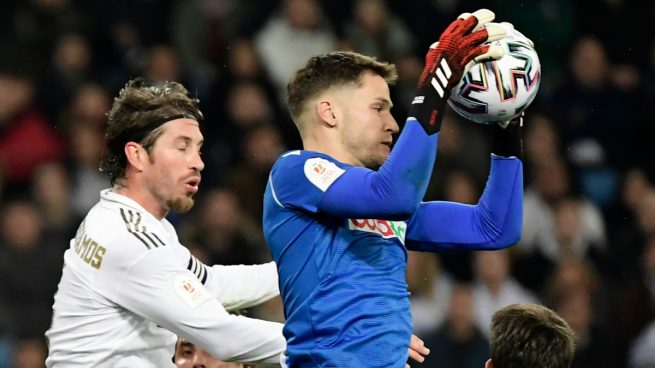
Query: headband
(131, 136)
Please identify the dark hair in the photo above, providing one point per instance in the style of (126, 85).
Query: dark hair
(332, 69)
(530, 336)
(137, 115)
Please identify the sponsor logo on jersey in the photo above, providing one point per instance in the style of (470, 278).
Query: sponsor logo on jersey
(322, 172)
(385, 228)
(190, 290)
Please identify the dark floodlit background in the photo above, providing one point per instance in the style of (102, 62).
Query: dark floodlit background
(588, 247)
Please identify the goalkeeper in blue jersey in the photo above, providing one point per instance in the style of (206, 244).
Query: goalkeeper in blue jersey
(340, 215)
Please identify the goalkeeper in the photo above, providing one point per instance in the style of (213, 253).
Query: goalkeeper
(340, 215)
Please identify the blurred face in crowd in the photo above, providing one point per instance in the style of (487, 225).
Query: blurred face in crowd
(366, 125)
(21, 226)
(15, 95)
(188, 355)
(171, 174)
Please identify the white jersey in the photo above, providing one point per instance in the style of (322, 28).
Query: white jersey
(128, 287)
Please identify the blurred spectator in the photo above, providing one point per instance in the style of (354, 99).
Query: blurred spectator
(494, 287)
(162, 64)
(21, 123)
(27, 270)
(635, 300)
(246, 108)
(430, 289)
(86, 144)
(30, 353)
(71, 65)
(569, 236)
(458, 343)
(292, 36)
(592, 344)
(572, 277)
(540, 246)
(221, 229)
(575, 291)
(589, 106)
(261, 147)
(51, 190)
(90, 103)
(377, 32)
(628, 244)
(541, 142)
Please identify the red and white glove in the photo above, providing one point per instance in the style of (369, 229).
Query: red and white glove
(459, 47)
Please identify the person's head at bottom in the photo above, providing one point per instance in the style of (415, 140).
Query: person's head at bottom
(530, 336)
(188, 355)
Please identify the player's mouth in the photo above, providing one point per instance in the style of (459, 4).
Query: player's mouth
(388, 144)
(191, 184)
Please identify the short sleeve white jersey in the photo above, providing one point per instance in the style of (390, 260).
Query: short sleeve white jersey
(129, 287)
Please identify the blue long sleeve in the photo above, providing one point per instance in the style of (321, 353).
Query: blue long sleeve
(393, 192)
(494, 223)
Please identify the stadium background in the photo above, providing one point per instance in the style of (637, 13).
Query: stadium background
(588, 248)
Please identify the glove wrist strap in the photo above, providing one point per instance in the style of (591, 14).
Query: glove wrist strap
(507, 142)
(428, 109)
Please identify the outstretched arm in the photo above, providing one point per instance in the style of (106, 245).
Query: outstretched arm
(493, 223)
(395, 191)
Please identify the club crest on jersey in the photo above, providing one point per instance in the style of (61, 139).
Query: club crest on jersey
(385, 228)
(322, 172)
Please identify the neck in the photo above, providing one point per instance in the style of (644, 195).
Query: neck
(322, 142)
(143, 198)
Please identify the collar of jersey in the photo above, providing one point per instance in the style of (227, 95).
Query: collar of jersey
(111, 196)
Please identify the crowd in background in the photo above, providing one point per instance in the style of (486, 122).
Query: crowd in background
(588, 244)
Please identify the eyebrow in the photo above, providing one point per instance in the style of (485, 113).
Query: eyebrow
(188, 140)
(384, 101)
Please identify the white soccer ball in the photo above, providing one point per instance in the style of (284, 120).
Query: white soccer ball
(499, 90)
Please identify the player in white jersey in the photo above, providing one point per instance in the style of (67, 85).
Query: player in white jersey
(128, 285)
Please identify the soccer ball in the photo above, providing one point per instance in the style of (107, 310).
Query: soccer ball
(499, 90)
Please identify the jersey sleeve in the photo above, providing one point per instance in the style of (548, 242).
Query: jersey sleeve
(157, 287)
(392, 192)
(494, 223)
(236, 287)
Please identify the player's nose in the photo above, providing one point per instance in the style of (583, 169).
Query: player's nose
(392, 125)
(199, 361)
(197, 162)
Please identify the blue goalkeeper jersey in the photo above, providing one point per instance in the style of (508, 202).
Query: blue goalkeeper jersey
(342, 279)
(339, 235)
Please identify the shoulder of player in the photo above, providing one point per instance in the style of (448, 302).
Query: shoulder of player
(126, 228)
(305, 160)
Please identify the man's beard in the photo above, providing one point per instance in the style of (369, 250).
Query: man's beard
(181, 204)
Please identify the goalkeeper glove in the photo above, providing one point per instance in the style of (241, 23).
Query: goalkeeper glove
(507, 140)
(459, 47)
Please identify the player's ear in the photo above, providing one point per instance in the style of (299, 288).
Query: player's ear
(325, 112)
(135, 154)
(489, 364)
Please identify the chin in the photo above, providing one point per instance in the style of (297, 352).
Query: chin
(181, 204)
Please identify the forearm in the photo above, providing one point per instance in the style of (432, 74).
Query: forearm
(243, 286)
(396, 189)
(158, 290)
(494, 223)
